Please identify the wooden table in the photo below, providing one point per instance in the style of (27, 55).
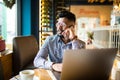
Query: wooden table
(41, 74)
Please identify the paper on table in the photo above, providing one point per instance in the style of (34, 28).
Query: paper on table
(51, 75)
(43, 74)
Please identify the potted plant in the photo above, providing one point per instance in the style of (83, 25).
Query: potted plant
(90, 37)
(2, 44)
(9, 3)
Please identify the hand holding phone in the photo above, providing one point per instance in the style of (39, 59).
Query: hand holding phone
(69, 33)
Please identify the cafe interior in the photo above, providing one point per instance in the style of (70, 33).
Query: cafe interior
(25, 25)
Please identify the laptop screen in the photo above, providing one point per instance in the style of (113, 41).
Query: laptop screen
(88, 64)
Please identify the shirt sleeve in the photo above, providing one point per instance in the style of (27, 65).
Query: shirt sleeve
(41, 57)
(78, 44)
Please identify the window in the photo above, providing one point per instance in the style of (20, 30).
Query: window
(8, 22)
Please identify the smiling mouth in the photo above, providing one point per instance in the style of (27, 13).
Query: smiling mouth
(60, 33)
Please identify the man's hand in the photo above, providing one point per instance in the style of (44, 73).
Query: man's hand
(72, 33)
(57, 67)
(69, 33)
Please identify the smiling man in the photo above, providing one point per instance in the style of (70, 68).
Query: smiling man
(50, 55)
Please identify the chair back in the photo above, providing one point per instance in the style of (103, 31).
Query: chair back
(25, 49)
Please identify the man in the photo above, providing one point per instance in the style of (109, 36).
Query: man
(51, 53)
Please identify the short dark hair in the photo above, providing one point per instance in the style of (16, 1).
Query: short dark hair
(67, 14)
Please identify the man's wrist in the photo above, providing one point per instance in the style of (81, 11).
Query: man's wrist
(52, 66)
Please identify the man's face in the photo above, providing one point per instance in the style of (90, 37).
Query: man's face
(62, 25)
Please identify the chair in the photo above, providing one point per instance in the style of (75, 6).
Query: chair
(25, 49)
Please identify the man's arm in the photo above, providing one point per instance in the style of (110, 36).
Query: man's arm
(40, 60)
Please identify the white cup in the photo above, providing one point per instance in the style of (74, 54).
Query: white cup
(26, 74)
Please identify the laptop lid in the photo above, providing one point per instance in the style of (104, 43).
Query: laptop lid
(88, 64)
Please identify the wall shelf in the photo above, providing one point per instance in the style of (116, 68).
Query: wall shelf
(48, 17)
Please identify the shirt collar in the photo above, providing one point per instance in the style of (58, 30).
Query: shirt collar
(58, 38)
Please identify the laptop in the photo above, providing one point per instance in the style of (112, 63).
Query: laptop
(88, 64)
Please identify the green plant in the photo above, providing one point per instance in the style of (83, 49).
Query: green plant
(9, 3)
(90, 35)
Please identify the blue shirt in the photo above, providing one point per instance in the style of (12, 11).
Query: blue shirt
(52, 51)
